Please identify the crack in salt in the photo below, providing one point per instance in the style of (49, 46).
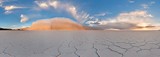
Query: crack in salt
(96, 50)
(76, 52)
(59, 52)
(6, 53)
(116, 51)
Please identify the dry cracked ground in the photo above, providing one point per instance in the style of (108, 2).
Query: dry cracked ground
(80, 44)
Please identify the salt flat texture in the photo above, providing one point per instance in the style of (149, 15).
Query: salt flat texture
(80, 44)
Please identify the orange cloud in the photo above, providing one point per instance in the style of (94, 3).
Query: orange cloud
(55, 24)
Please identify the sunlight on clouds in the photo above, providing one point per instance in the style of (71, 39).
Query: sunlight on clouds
(42, 4)
(12, 7)
(135, 20)
(54, 4)
(8, 9)
(23, 18)
(80, 16)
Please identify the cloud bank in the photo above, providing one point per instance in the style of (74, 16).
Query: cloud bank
(136, 20)
(55, 24)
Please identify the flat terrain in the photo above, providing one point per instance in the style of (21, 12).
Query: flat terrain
(79, 43)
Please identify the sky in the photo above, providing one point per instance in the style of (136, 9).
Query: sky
(22, 13)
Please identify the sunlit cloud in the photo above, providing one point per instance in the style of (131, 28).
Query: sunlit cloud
(55, 4)
(55, 24)
(24, 18)
(9, 9)
(132, 20)
(43, 5)
(80, 16)
(12, 7)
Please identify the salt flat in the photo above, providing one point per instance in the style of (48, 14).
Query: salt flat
(79, 43)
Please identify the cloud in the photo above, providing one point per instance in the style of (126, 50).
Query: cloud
(147, 6)
(12, 7)
(131, 1)
(23, 18)
(43, 5)
(4, 1)
(132, 20)
(80, 16)
(152, 2)
(118, 25)
(1, 2)
(55, 24)
(101, 14)
(8, 12)
(9, 9)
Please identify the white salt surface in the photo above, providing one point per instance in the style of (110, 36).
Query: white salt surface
(79, 43)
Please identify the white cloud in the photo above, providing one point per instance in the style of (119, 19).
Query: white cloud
(129, 20)
(9, 9)
(8, 12)
(4, 1)
(146, 6)
(43, 5)
(131, 1)
(55, 4)
(137, 17)
(152, 2)
(12, 7)
(24, 18)
(80, 16)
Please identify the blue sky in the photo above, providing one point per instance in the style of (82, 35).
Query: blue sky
(21, 13)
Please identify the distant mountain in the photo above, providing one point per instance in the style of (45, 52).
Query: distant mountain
(5, 29)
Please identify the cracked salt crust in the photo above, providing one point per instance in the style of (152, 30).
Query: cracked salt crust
(80, 44)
